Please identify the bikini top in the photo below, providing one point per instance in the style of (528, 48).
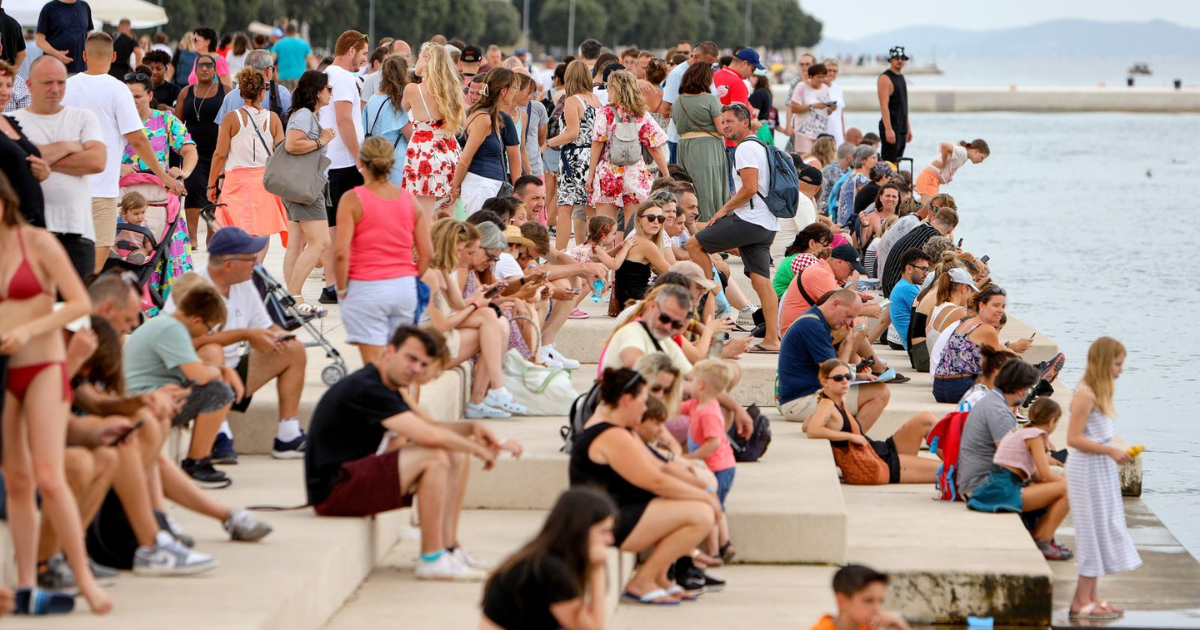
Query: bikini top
(24, 283)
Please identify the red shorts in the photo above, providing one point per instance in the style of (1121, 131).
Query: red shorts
(367, 486)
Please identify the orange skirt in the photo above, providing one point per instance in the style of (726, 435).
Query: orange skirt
(249, 206)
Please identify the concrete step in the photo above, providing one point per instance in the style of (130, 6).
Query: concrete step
(769, 520)
(295, 578)
(945, 561)
(392, 597)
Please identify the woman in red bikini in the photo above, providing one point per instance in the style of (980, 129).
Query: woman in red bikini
(37, 398)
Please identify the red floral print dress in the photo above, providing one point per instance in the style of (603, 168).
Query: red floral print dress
(430, 160)
(623, 185)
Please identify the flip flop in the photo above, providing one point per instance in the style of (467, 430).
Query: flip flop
(648, 598)
(683, 593)
(758, 349)
(35, 601)
(1088, 613)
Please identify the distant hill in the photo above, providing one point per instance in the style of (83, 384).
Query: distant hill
(1058, 38)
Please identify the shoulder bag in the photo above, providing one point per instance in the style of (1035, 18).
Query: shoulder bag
(295, 178)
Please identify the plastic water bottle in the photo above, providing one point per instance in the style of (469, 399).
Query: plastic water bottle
(597, 290)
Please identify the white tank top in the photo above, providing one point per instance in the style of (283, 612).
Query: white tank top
(250, 148)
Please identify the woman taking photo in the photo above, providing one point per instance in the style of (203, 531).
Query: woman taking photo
(863, 160)
(575, 147)
(384, 114)
(308, 229)
(373, 263)
(435, 107)
(812, 108)
(245, 141)
(203, 40)
(198, 106)
(21, 161)
(38, 397)
(864, 461)
(655, 510)
(701, 152)
(557, 580)
(471, 328)
(492, 146)
(611, 186)
(640, 254)
(1102, 542)
(837, 119)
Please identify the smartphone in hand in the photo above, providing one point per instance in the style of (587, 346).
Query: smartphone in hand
(121, 438)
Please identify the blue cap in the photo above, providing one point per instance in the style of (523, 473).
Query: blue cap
(235, 240)
(519, 52)
(276, 32)
(750, 56)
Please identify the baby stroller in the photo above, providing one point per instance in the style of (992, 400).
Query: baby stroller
(166, 234)
(281, 306)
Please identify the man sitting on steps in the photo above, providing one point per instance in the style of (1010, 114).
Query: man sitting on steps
(274, 355)
(346, 478)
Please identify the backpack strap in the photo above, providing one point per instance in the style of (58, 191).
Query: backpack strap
(803, 293)
(770, 171)
(256, 130)
(657, 346)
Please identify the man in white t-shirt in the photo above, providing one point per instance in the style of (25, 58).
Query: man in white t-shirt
(112, 103)
(705, 52)
(745, 223)
(343, 115)
(274, 354)
(71, 141)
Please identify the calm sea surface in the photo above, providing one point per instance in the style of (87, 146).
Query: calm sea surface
(1090, 225)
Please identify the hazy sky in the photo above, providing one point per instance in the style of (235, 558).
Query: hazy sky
(855, 19)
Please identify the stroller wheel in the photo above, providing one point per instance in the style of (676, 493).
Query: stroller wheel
(333, 373)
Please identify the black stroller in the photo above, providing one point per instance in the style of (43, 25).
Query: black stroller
(282, 308)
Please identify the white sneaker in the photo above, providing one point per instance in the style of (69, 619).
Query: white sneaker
(170, 558)
(545, 357)
(469, 560)
(745, 317)
(567, 364)
(446, 568)
(504, 401)
(484, 412)
(243, 526)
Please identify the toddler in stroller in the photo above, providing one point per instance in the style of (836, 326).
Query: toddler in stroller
(135, 247)
(161, 236)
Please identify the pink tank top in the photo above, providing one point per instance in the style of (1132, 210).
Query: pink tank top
(382, 247)
(1013, 453)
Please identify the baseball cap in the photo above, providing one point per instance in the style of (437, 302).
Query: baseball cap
(471, 54)
(235, 240)
(809, 174)
(277, 32)
(520, 52)
(897, 52)
(750, 56)
(693, 273)
(846, 252)
(961, 276)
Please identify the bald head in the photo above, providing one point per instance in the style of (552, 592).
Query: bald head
(840, 308)
(47, 84)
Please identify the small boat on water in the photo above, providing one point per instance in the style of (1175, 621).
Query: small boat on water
(1140, 68)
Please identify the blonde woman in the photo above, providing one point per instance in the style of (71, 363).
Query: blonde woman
(640, 254)
(1102, 543)
(472, 330)
(575, 147)
(610, 185)
(435, 109)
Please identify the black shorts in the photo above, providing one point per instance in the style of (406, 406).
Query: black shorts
(892, 152)
(341, 181)
(82, 253)
(627, 518)
(886, 450)
(732, 232)
(243, 370)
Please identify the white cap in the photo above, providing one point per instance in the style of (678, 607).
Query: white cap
(960, 276)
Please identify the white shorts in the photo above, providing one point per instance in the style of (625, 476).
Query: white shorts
(800, 409)
(373, 309)
(476, 190)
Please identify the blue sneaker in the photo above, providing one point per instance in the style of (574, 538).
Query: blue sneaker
(222, 452)
(290, 450)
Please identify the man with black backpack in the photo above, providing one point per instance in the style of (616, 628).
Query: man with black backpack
(749, 220)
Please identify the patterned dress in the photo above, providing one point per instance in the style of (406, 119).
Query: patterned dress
(1102, 542)
(623, 185)
(575, 160)
(431, 157)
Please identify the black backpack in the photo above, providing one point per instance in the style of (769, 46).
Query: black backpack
(581, 411)
(753, 448)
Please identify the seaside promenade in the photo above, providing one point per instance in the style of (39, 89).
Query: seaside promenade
(936, 98)
(791, 519)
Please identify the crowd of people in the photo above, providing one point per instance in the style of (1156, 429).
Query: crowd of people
(460, 205)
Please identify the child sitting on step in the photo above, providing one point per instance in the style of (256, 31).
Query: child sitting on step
(708, 437)
(860, 591)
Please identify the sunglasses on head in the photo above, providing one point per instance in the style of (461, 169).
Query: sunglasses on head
(140, 77)
(674, 323)
(841, 377)
(663, 195)
(993, 290)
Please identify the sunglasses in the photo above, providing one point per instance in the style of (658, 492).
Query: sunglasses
(206, 64)
(655, 218)
(674, 323)
(658, 389)
(140, 77)
(837, 378)
(663, 195)
(993, 290)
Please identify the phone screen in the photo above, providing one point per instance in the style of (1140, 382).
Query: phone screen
(493, 292)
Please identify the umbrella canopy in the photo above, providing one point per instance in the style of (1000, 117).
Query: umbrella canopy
(142, 14)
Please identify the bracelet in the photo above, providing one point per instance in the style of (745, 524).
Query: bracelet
(210, 188)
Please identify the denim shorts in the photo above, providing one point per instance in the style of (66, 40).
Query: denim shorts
(724, 484)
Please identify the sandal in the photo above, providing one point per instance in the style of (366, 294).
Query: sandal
(578, 314)
(651, 597)
(758, 349)
(728, 551)
(35, 601)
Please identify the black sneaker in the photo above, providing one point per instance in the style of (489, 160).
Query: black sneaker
(202, 472)
(328, 296)
(223, 453)
(711, 584)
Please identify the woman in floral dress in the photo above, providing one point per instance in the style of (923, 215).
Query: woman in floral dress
(435, 108)
(166, 133)
(610, 185)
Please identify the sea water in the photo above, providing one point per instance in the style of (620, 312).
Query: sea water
(1091, 222)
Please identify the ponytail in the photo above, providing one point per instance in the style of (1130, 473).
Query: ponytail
(978, 144)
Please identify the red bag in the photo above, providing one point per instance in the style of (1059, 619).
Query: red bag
(944, 441)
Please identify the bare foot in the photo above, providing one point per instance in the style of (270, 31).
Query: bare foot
(6, 601)
(98, 600)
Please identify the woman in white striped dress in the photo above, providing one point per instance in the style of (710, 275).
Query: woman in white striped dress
(1102, 543)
